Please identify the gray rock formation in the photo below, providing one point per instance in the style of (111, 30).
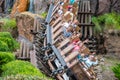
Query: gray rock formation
(40, 6)
(105, 6)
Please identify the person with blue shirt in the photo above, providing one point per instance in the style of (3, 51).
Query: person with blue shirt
(67, 32)
(90, 61)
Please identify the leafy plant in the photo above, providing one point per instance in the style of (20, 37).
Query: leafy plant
(5, 57)
(97, 27)
(5, 34)
(24, 77)
(20, 67)
(3, 46)
(8, 25)
(7, 42)
(106, 21)
(116, 71)
(44, 14)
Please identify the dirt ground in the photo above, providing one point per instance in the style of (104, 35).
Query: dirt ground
(104, 69)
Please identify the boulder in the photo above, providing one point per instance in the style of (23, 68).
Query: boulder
(26, 23)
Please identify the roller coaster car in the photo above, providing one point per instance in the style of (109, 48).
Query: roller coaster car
(59, 59)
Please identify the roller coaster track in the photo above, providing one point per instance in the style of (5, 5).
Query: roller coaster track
(54, 58)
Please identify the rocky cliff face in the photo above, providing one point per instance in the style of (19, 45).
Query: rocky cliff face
(25, 23)
(105, 6)
(40, 6)
(113, 45)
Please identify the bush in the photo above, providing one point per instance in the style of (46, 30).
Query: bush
(5, 34)
(106, 21)
(9, 24)
(3, 46)
(20, 67)
(23, 77)
(6, 57)
(7, 42)
(116, 71)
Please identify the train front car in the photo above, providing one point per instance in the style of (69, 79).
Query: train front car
(60, 51)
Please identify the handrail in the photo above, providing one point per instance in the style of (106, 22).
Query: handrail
(50, 12)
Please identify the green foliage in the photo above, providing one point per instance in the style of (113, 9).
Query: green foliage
(116, 71)
(20, 67)
(44, 14)
(7, 42)
(5, 34)
(23, 77)
(106, 21)
(112, 21)
(6, 57)
(97, 27)
(9, 24)
(3, 46)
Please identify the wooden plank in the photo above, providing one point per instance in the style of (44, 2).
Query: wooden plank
(57, 34)
(33, 58)
(89, 15)
(64, 42)
(52, 21)
(86, 21)
(82, 17)
(89, 7)
(71, 56)
(55, 42)
(67, 49)
(56, 6)
(53, 14)
(58, 26)
(38, 25)
(58, 40)
(90, 20)
(35, 24)
(85, 13)
(73, 63)
(24, 50)
(28, 52)
(56, 22)
(86, 24)
(21, 49)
